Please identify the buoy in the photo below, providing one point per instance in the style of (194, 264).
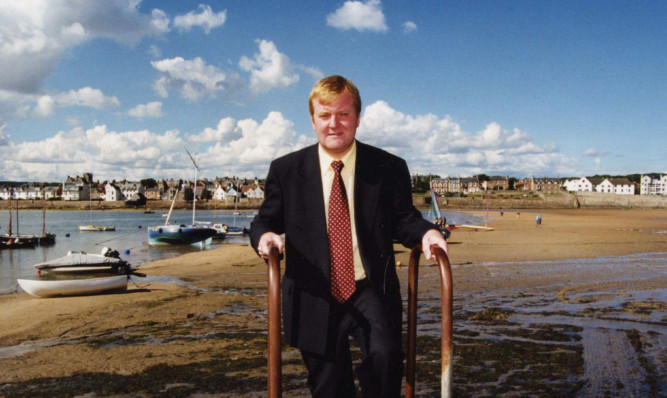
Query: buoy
(399, 264)
(127, 251)
(140, 227)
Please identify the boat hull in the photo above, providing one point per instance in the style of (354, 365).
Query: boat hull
(73, 287)
(96, 228)
(179, 235)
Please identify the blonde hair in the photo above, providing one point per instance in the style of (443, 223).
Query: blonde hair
(329, 90)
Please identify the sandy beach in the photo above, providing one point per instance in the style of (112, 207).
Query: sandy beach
(537, 310)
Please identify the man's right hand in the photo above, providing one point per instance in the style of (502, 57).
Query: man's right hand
(268, 240)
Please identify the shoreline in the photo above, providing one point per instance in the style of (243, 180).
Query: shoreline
(212, 325)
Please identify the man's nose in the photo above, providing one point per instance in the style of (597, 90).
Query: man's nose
(333, 121)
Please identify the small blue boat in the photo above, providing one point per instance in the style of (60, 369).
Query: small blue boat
(179, 234)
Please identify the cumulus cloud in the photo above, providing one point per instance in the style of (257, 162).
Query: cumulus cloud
(255, 145)
(409, 27)
(193, 78)
(268, 69)
(226, 130)
(89, 97)
(107, 153)
(151, 109)
(360, 16)
(4, 137)
(36, 33)
(432, 144)
(592, 152)
(203, 17)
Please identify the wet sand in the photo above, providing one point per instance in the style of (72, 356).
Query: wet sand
(537, 312)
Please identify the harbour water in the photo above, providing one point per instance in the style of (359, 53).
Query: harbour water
(131, 235)
(130, 238)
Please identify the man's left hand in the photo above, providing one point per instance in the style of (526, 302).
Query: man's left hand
(433, 237)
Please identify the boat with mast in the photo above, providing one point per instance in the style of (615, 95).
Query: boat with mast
(168, 234)
(17, 240)
(91, 227)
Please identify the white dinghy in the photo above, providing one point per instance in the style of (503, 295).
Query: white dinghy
(73, 287)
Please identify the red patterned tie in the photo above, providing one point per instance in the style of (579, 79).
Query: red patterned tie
(340, 239)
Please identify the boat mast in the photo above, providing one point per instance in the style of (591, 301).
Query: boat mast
(194, 189)
(9, 232)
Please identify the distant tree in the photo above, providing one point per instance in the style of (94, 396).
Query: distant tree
(482, 177)
(512, 180)
(149, 183)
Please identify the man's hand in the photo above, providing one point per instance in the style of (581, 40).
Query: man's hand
(268, 240)
(432, 237)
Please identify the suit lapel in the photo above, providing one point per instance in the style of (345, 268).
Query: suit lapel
(310, 183)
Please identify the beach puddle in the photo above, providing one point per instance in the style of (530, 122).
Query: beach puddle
(567, 328)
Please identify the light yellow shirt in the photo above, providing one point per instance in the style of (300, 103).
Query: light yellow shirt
(347, 174)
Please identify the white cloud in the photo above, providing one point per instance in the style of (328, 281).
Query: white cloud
(47, 105)
(439, 145)
(193, 78)
(360, 16)
(592, 152)
(160, 20)
(227, 130)
(409, 27)
(151, 109)
(204, 17)
(4, 137)
(256, 146)
(268, 69)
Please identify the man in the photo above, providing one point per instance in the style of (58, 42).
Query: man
(339, 220)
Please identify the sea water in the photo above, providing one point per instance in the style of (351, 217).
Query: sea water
(130, 238)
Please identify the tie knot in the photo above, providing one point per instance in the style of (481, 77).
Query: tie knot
(337, 166)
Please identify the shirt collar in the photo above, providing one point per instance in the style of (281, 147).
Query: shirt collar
(348, 160)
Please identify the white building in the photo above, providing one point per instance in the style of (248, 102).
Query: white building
(653, 184)
(112, 193)
(619, 186)
(583, 184)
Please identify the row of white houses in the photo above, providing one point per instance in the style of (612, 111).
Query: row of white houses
(619, 186)
(83, 188)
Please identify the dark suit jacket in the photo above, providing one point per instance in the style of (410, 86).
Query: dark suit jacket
(293, 204)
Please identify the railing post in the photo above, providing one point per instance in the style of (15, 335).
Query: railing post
(275, 360)
(446, 294)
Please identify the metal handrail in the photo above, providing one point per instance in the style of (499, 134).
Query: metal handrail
(275, 360)
(446, 321)
(274, 341)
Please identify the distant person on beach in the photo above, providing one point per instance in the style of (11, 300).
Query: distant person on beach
(339, 221)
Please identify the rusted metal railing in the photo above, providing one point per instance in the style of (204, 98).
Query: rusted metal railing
(446, 321)
(275, 360)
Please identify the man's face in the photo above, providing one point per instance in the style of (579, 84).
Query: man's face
(335, 124)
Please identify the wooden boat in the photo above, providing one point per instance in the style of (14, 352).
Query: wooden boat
(73, 287)
(96, 228)
(17, 240)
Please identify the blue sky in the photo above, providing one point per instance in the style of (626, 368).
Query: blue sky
(521, 88)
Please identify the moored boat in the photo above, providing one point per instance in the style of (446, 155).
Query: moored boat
(96, 228)
(73, 287)
(179, 234)
(108, 258)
